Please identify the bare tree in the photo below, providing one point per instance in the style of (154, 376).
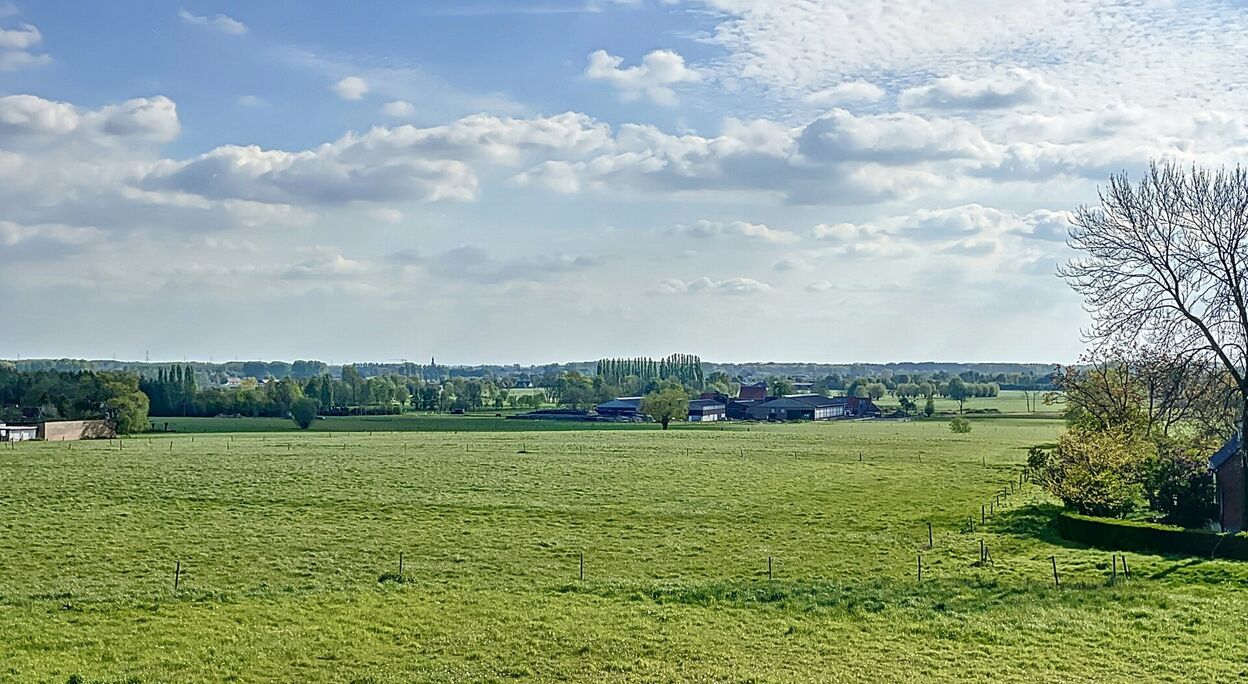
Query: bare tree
(1164, 265)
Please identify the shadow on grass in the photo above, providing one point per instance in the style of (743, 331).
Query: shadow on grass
(946, 596)
(1033, 521)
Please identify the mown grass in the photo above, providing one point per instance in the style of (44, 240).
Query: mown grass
(289, 546)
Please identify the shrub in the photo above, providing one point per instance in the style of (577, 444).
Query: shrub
(1097, 472)
(303, 411)
(929, 408)
(960, 425)
(1179, 484)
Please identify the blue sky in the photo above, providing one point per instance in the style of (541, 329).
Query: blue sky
(541, 181)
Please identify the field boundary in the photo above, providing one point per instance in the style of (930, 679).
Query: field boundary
(1128, 535)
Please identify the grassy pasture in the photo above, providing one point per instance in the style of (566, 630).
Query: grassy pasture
(289, 544)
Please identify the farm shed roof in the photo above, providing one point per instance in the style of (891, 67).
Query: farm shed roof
(1224, 454)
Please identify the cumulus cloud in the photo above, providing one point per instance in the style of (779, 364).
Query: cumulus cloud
(399, 109)
(223, 23)
(1015, 88)
(351, 88)
(15, 44)
(325, 267)
(820, 286)
(704, 285)
(20, 38)
(845, 93)
(654, 77)
(791, 262)
(712, 229)
(153, 119)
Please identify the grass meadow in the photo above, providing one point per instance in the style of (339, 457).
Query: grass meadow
(289, 546)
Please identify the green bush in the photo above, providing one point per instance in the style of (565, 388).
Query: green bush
(1097, 472)
(303, 411)
(1179, 484)
(960, 425)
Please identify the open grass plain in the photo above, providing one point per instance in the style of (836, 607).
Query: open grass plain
(289, 547)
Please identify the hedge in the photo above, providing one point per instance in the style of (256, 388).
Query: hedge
(1126, 535)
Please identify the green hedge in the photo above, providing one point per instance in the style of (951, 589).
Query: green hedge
(1126, 535)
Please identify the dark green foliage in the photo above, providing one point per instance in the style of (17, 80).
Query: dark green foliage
(74, 395)
(960, 426)
(1179, 484)
(303, 411)
(687, 368)
(1129, 535)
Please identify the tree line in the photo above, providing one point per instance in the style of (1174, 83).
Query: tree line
(73, 395)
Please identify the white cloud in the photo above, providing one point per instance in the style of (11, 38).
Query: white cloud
(15, 44)
(223, 23)
(704, 285)
(399, 109)
(820, 286)
(476, 265)
(20, 38)
(1015, 88)
(791, 262)
(325, 267)
(654, 77)
(845, 93)
(351, 88)
(710, 229)
(385, 214)
(153, 119)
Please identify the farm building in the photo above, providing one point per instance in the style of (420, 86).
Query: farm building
(623, 407)
(756, 392)
(17, 433)
(1228, 468)
(861, 407)
(739, 409)
(706, 411)
(73, 430)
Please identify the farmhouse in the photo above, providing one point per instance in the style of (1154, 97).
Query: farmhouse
(1228, 468)
(706, 411)
(17, 433)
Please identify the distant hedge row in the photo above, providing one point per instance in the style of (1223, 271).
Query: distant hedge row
(1127, 535)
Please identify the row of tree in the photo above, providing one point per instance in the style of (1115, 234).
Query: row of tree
(76, 395)
(686, 368)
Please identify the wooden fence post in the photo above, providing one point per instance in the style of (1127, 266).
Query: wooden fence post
(177, 574)
(769, 573)
(1055, 582)
(930, 541)
(582, 565)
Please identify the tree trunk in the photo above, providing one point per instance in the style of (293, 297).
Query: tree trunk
(664, 422)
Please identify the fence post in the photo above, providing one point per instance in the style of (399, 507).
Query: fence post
(177, 574)
(1113, 578)
(582, 565)
(400, 565)
(769, 573)
(983, 515)
(930, 541)
(1055, 582)
(920, 567)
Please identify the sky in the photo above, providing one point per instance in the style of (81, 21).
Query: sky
(499, 181)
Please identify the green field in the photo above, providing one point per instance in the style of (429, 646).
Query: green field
(289, 546)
